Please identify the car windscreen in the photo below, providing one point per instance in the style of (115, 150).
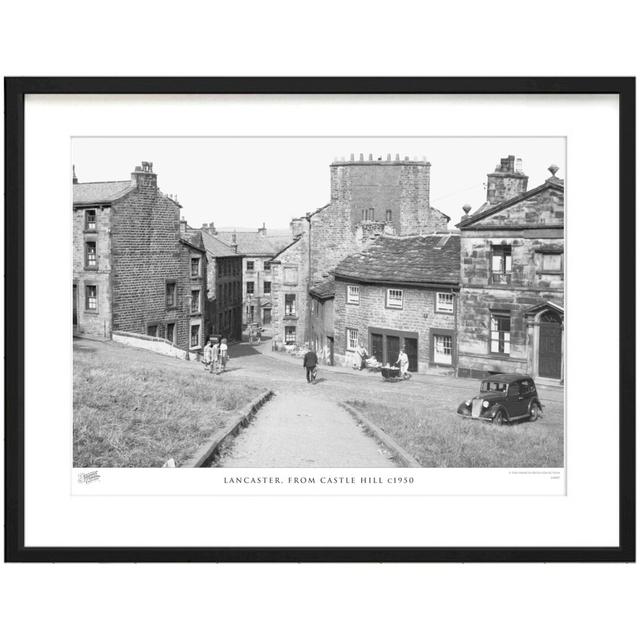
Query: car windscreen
(488, 385)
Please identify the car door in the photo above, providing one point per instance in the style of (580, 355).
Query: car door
(517, 402)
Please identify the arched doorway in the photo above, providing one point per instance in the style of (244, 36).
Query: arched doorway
(550, 345)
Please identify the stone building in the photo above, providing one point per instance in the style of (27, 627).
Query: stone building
(400, 292)
(512, 278)
(132, 271)
(368, 198)
(258, 248)
(321, 299)
(224, 288)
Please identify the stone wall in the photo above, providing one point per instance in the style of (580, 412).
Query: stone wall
(157, 345)
(146, 254)
(92, 323)
(296, 256)
(418, 315)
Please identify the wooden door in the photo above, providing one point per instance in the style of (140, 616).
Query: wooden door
(550, 347)
(411, 349)
(393, 348)
(376, 347)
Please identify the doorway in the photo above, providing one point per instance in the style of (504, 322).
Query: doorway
(550, 346)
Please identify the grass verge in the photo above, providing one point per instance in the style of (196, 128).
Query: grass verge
(451, 441)
(140, 411)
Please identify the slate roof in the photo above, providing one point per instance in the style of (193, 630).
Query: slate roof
(487, 210)
(100, 192)
(193, 238)
(324, 289)
(216, 247)
(253, 243)
(433, 259)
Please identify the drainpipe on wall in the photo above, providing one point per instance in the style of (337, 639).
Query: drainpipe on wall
(308, 336)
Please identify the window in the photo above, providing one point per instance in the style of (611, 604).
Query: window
(289, 304)
(394, 298)
(267, 287)
(501, 264)
(171, 294)
(152, 330)
(267, 266)
(352, 339)
(368, 215)
(250, 265)
(195, 301)
(388, 215)
(219, 292)
(250, 287)
(353, 294)
(90, 220)
(91, 297)
(291, 275)
(289, 335)
(171, 332)
(195, 336)
(91, 257)
(195, 267)
(500, 333)
(444, 302)
(551, 263)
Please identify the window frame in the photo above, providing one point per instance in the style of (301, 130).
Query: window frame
(251, 265)
(351, 299)
(438, 307)
(388, 305)
(91, 267)
(87, 308)
(349, 337)
(266, 284)
(500, 315)
(545, 254)
(93, 229)
(288, 329)
(172, 340)
(294, 309)
(167, 284)
(291, 270)
(198, 297)
(502, 275)
(253, 287)
(191, 327)
(198, 273)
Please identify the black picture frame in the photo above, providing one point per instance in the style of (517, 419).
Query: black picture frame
(15, 91)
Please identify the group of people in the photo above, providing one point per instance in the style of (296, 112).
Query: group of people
(402, 361)
(215, 355)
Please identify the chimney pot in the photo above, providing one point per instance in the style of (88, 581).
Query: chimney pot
(466, 208)
(553, 169)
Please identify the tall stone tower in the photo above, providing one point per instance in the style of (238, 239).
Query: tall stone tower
(392, 194)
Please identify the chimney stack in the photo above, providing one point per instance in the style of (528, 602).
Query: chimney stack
(263, 230)
(144, 178)
(234, 242)
(298, 226)
(507, 181)
(183, 225)
(75, 178)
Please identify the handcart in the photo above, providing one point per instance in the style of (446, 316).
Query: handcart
(392, 374)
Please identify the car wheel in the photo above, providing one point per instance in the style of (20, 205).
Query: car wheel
(535, 413)
(499, 419)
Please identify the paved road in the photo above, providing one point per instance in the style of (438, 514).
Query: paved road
(302, 428)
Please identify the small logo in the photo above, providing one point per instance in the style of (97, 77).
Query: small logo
(88, 477)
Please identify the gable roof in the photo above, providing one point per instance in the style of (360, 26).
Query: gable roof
(487, 210)
(216, 247)
(433, 259)
(193, 238)
(100, 192)
(254, 243)
(324, 289)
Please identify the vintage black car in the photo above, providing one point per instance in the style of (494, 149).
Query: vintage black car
(502, 399)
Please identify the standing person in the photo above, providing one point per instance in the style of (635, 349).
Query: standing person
(215, 347)
(207, 356)
(224, 355)
(310, 362)
(362, 352)
(403, 361)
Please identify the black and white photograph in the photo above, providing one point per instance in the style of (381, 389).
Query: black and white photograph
(325, 302)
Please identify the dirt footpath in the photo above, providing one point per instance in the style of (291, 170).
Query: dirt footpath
(303, 429)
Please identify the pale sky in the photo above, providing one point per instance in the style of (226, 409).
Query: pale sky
(243, 182)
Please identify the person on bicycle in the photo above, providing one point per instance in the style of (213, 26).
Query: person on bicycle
(310, 362)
